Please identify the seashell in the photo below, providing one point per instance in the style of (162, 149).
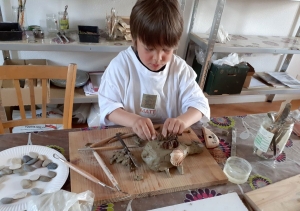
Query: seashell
(178, 155)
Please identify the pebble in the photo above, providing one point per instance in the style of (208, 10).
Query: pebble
(42, 157)
(26, 158)
(20, 195)
(32, 161)
(44, 178)
(52, 166)
(38, 164)
(6, 200)
(52, 174)
(33, 155)
(36, 191)
(26, 183)
(6, 171)
(2, 167)
(28, 168)
(46, 162)
(18, 171)
(15, 166)
(34, 177)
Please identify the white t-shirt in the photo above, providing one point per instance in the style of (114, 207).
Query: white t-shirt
(127, 83)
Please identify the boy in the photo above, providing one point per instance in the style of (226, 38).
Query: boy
(147, 83)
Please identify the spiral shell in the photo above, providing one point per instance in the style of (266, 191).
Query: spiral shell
(177, 157)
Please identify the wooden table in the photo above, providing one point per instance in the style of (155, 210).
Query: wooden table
(263, 173)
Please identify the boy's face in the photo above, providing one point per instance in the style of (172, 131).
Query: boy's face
(153, 57)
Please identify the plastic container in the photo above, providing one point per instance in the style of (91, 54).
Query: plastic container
(88, 34)
(237, 170)
(10, 31)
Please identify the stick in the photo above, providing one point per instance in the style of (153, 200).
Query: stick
(106, 148)
(122, 136)
(102, 142)
(107, 171)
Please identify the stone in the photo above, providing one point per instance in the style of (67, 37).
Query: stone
(44, 178)
(46, 162)
(52, 166)
(6, 200)
(28, 168)
(32, 161)
(52, 174)
(20, 195)
(38, 164)
(34, 177)
(15, 166)
(36, 191)
(26, 183)
(26, 158)
(33, 155)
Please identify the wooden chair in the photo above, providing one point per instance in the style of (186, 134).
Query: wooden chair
(43, 72)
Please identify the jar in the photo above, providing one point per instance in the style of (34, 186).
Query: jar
(19, 16)
(63, 20)
(272, 137)
(51, 22)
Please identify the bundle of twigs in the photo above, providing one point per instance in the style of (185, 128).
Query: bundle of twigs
(21, 12)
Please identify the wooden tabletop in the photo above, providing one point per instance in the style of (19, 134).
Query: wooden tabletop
(264, 172)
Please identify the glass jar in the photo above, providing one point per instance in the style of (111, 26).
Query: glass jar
(19, 16)
(63, 20)
(272, 137)
(51, 22)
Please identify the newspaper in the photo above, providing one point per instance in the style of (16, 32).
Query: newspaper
(286, 79)
(269, 79)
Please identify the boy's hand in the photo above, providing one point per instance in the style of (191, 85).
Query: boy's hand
(173, 126)
(144, 128)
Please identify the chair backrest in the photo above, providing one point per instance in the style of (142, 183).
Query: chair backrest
(43, 72)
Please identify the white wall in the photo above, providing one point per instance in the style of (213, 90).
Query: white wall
(255, 17)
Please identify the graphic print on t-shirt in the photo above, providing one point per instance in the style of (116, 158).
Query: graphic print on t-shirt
(148, 105)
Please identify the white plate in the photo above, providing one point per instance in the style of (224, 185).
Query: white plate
(12, 183)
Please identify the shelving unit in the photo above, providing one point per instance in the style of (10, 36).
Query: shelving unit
(57, 94)
(241, 44)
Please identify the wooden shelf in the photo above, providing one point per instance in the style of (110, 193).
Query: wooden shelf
(57, 96)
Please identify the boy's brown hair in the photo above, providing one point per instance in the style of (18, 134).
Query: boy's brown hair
(156, 22)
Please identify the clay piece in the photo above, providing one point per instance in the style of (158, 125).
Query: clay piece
(162, 153)
(138, 177)
(120, 156)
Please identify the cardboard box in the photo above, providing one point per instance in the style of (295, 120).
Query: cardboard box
(8, 92)
(249, 76)
(225, 79)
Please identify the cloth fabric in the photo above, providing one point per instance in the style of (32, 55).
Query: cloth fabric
(128, 84)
